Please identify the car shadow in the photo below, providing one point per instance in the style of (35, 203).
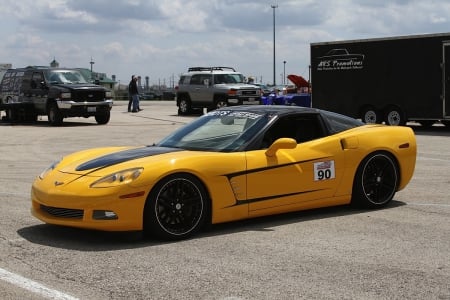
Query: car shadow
(44, 123)
(91, 240)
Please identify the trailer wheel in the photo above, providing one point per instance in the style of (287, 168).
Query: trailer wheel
(370, 115)
(426, 123)
(394, 116)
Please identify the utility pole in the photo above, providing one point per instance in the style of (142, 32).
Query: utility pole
(273, 6)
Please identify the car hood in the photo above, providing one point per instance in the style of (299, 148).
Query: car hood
(89, 161)
(299, 81)
(81, 87)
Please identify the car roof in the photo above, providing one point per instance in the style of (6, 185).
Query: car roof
(274, 109)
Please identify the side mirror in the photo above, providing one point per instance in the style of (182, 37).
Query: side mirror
(282, 143)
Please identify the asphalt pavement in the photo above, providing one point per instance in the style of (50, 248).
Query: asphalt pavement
(400, 252)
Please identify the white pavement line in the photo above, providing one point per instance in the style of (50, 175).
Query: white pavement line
(33, 286)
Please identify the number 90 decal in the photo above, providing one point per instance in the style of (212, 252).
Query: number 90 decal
(324, 170)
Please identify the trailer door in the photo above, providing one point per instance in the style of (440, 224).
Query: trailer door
(446, 79)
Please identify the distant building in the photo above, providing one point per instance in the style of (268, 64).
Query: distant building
(3, 68)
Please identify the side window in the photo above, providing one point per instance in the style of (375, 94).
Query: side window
(36, 79)
(196, 79)
(309, 128)
(206, 79)
(302, 128)
(184, 79)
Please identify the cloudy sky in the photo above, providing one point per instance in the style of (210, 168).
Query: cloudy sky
(162, 38)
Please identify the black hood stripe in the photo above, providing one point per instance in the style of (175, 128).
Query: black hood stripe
(122, 156)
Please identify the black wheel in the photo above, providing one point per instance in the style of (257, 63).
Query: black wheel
(221, 102)
(55, 117)
(184, 106)
(376, 181)
(394, 116)
(11, 113)
(218, 103)
(103, 118)
(370, 116)
(176, 208)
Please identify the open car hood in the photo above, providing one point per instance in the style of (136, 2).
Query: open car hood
(298, 80)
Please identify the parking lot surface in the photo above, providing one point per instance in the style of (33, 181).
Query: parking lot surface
(400, 252)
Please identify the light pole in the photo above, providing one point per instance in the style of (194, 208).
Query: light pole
(92, 76)
(273, 8)
(284, 72)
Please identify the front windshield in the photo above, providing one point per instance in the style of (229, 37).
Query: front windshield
(66, 77)
(220, 130)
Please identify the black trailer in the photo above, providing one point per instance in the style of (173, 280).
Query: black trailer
(391, 80)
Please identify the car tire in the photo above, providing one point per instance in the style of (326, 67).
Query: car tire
(103, 118)
(55, 117)
(184, 106)
(394, 116)
(177, 207)
(376, 181)
(370, 115)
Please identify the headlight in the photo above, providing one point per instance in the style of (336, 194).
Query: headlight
(65, 95)
(49, 169)
(118, 178)
(108, 95)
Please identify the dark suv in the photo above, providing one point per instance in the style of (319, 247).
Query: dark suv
(213, 87)
(26, 93)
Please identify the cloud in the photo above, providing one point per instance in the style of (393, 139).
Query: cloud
(160, 38)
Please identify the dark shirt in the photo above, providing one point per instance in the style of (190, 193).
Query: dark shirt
(132, 88)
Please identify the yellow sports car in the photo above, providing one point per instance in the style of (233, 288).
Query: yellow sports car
(230, 164)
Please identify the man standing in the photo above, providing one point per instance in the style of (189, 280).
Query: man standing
(134, 94)
(130, 99)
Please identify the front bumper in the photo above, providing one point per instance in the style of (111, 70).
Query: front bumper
(99, 209)
(85, 108)
(68, 104)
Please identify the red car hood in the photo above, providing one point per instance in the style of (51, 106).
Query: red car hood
(299, 81)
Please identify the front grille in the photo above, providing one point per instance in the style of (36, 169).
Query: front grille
(250, 93)
(88, 95)
(63, 212)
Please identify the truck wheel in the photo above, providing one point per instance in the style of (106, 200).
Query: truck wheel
(11, 113)
(55, 117)
(103, 118)
(220, 103)
(370, 115)
(184, 106)
(394, 116)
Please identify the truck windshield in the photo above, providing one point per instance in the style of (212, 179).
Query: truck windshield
(66, 77)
